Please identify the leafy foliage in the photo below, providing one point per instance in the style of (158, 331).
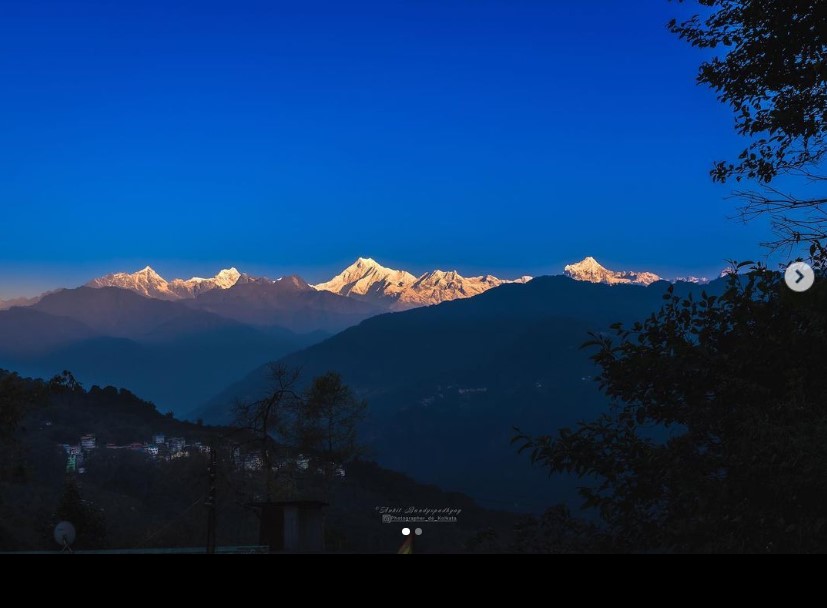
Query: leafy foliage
(716, 439)
(328, 419)
(292, 427)
(16, 398)
(772, 75)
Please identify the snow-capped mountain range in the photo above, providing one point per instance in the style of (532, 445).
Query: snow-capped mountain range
(368, 280)
(590, 270)
(149, 283)
(365, 280)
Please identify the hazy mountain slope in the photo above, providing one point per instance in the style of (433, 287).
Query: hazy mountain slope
(29, 331)
(449, 336)
(176, 373)
(447, 383)
(6, 304)
(173, 354)
(289, 302)
(122, 313)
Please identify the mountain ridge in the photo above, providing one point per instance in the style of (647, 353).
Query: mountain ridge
(173, 353)
(365, 279)
(436, 376)
(288, 302)
(589, 269)
(150, 284)
(368, 280)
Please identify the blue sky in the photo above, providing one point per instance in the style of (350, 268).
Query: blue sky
(481, 135)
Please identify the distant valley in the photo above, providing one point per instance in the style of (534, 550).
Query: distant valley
(446, 384)
(169, 353)
(180, 342)
(458, 363)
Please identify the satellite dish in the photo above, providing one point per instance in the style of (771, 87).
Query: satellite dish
(64, 534)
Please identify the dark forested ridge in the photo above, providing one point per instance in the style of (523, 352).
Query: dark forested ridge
(133, 478)
(715, 441)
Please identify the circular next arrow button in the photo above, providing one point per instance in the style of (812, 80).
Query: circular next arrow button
(799, 276)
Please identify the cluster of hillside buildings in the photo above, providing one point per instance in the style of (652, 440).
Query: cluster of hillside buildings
(160, 448)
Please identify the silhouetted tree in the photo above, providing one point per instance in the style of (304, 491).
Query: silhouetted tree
(65, 382)
(267, 417)
(326, 421)
(772, 72)
(18, 397)
(318, 423)
(716, 439)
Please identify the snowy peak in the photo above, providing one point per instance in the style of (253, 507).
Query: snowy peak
(443, 280)
(196, 285)
(365, 277)
(368, 280)
(150, 284)
(692, 279)
(592, 271)
(148, 276)
(146, 282)
(227, 278)
(440, 286)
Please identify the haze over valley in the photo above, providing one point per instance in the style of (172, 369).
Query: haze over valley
(433, 354)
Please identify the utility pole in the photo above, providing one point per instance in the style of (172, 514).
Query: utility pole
(210, 503)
